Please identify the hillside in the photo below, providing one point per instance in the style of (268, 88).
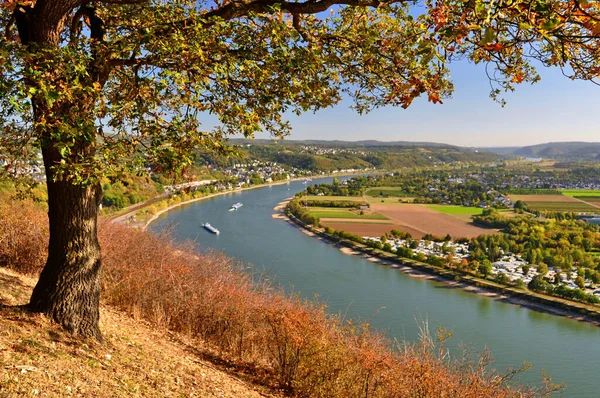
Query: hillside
(136, 359)
(564, 150)
(574, 150)
(327, 156)
(347, 144)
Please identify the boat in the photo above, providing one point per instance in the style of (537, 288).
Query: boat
(236, 206)
(210, 228)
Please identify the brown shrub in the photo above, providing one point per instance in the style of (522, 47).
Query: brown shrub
(23, 235)
(307, 352)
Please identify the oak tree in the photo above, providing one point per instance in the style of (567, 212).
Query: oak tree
(105, 86)
(111, 85)
(512, 37)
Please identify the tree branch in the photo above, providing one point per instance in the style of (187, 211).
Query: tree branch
(237, 10)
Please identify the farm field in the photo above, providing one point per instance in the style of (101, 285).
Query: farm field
(581, 192)
(389, 191)
(592, 200)
(356, 221)
(329, 212)
(563, 206)
(454, 209)
(543, 198)
(461, 212)
(425, 220)
(555, 203)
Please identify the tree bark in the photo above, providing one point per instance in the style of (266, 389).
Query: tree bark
(68, 290)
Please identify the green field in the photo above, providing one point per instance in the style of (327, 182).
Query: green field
(581, 192)
(327, 212)
(562, 206)
(389, 191)
(315, 198)
(453, 209)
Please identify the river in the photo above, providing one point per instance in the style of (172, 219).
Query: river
(390, 300)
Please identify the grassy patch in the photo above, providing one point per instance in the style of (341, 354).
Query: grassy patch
(453, 209)
(581, 192)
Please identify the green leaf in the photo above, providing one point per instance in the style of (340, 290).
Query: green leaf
(488, 36)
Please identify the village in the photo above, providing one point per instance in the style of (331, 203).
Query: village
(512, 265)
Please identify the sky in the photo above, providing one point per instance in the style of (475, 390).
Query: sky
(555, 109)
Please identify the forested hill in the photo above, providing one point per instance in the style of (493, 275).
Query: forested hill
(570, 150)
(339, 155)
(349, 144)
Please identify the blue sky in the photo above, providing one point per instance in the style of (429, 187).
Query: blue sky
(555, 109)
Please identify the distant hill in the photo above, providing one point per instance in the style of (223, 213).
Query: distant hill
(327, 156)
(574, 150)
(564, 150)
(349, 144)
(505, 151)
(568, 150)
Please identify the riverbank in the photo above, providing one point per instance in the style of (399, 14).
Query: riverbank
(527, 299)
(126, 216)
(173, 206)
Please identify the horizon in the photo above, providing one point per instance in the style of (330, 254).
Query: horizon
(418, 142)
(556, 109)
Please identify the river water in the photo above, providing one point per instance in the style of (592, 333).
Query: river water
(568, 350)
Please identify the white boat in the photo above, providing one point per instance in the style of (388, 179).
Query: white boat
(210, 228)
(236, 206)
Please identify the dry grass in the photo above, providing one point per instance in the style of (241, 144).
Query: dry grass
(285, 342)
(23, 235)
(136, 359)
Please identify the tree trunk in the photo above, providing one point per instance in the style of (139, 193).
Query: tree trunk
(68, 290)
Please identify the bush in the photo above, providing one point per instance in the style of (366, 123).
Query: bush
(23, 235)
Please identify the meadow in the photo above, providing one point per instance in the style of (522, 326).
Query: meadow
(575, 193)
(454, 209)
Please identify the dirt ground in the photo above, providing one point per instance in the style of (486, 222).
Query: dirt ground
(355, 220)
(135, 360)
(543, 198)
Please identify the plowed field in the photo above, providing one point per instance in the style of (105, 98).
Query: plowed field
(426, 220)
(417, 220)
